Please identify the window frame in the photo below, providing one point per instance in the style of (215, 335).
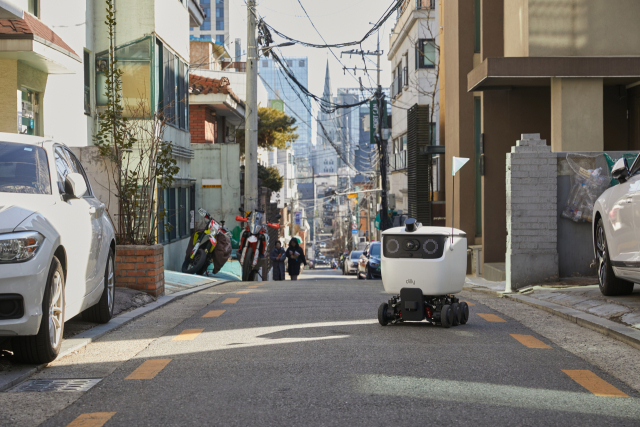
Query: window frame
(421, 56)
(86, 57)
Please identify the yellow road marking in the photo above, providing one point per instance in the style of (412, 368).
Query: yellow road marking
(529, 341)
(148, 370)
(187, 335)
(94, 419)
(243, 292)
(594, 383)
(230, 301)
(214, 313)
(252, 287)
(470, 304)
(491, 317)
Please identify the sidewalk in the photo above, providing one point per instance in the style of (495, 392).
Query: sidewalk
(579, 300)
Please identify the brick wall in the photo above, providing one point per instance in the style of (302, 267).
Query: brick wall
(202, 124)
(532, 253)
(140, 268)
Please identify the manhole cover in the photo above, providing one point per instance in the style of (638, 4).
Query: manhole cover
(55, 385)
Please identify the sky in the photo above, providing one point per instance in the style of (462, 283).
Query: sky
(337, 21)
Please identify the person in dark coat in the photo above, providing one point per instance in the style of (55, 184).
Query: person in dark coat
(277, 259)
(296, 257)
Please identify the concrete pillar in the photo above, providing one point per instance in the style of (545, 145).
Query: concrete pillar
(577, 114)
(532, 229)
(9, 96)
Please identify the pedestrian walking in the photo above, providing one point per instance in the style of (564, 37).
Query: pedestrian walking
(296, 258)
(277, 258)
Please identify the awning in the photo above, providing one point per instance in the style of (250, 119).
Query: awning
(503, 73)
(32, 42)
(217, 94)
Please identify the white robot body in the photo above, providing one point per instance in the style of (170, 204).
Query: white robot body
(424, 259)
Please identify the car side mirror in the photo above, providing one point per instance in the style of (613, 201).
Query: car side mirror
(620, 170)
(74, 186)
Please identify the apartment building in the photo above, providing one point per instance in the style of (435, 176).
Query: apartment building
(566, 69)
(413, 53)
(215, 26)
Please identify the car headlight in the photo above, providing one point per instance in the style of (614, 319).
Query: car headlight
(19, 247)
(374, 264)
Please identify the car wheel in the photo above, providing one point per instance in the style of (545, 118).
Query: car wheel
(45, 346)
(102, 312)
(610, 285)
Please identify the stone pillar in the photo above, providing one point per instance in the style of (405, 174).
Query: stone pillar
(8, 95)
(532, 252)
(577, 115)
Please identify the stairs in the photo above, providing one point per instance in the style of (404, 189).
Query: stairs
(495, 272)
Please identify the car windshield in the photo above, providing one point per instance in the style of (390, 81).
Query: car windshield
(375, 250)
(356, 254)
(23, 169)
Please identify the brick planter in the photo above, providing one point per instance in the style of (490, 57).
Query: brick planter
(141, 268)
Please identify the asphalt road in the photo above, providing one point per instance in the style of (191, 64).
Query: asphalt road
(312, 353)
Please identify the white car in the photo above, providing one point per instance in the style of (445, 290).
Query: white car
(616, 231)
(57, 246)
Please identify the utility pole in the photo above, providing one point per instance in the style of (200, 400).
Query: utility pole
(251, 115)
(384, 161)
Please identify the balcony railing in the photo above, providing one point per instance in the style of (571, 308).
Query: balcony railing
(398, 161)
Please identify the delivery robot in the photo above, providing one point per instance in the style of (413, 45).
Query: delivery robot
(423, 267)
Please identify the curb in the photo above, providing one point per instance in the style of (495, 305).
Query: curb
(606, 327)
(82, 339)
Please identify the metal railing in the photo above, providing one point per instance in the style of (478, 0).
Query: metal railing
(398, 161)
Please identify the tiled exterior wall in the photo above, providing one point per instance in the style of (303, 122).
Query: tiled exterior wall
(532, 253)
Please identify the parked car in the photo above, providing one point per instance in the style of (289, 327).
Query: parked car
(369, 262)
(616, 227)
(351, 262)
(322, 245)
(57, 246)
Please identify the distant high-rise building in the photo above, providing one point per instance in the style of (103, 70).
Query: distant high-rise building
(324, 157)
(300, 109)
(216, 24)
(238, 48)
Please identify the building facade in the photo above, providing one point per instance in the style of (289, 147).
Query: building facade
(299, 109)
(502, 65)
(413, 47)
(215, 27)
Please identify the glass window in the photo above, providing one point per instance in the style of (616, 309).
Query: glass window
(289, 63)
(206, 37)
(182, 198)
(301, 63)
(23, 169)
(265, 64)
(220, 39)
(207, 14)
(76, 166)
(34, 8)
(426, 53)
(87, 83)
(219, 25)
(206, 25)
(219, 12)
(134, 60)
(172, 213)
(28, 112)
(169, 86)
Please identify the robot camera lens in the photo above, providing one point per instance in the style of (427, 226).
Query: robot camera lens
(411, 245)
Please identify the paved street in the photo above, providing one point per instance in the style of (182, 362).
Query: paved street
(312, 353)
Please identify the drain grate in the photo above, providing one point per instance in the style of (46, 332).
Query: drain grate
(48, 386)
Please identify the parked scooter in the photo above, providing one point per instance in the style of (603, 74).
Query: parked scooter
(204, 244)
(254, 242)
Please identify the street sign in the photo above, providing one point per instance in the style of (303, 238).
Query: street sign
(354, 232)
(297, 218)
(352, 195)
(377, 222)
(211, 183)
(354, 226)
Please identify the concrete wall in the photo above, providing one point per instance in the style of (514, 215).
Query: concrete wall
(63, 105)
(571, 28)
(218, 161)
(577, 114)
